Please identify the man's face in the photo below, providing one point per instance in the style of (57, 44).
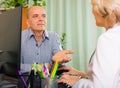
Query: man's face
(37, 18)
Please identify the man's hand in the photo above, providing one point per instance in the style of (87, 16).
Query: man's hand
(62, 56)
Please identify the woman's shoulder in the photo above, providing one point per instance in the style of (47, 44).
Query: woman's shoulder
(112, 35)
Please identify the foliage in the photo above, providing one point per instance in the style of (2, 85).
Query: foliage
(39, 3)
(22, 3)
(9, 4)
(63, 42)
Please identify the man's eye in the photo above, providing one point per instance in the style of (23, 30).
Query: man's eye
(44, 15)
(34, 16)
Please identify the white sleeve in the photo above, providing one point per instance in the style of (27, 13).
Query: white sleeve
(104, 69)
(83, 83)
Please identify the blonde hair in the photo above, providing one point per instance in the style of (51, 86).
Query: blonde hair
(109, 9)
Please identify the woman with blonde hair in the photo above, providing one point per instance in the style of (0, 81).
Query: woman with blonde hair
(104, 67)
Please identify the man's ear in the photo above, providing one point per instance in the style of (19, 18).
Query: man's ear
(28, 25)
(112, 19)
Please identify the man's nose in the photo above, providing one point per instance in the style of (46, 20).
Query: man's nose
(40, 18)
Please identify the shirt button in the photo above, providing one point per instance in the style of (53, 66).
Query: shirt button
(36, 44)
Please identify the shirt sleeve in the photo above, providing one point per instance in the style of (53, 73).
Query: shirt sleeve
(83, 83)
(56, 45)
(104, 68)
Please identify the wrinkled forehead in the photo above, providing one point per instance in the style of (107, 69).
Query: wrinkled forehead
(36, 10)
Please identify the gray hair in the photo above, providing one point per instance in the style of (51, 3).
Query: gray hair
(109, 9)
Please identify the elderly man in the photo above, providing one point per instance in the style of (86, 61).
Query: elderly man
(37, 44)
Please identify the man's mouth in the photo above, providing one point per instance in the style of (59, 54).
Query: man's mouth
(40, 24)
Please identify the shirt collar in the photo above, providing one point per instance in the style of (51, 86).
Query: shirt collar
(45, 36)
(30, 33)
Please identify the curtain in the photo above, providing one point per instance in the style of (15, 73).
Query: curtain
(75, 18)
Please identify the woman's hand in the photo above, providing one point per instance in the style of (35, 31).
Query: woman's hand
(62, 56)
(68, 79)
(71, 70)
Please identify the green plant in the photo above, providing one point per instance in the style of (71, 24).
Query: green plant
(63, 42)
(39, 3)
(22, 3)
(9, 4)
